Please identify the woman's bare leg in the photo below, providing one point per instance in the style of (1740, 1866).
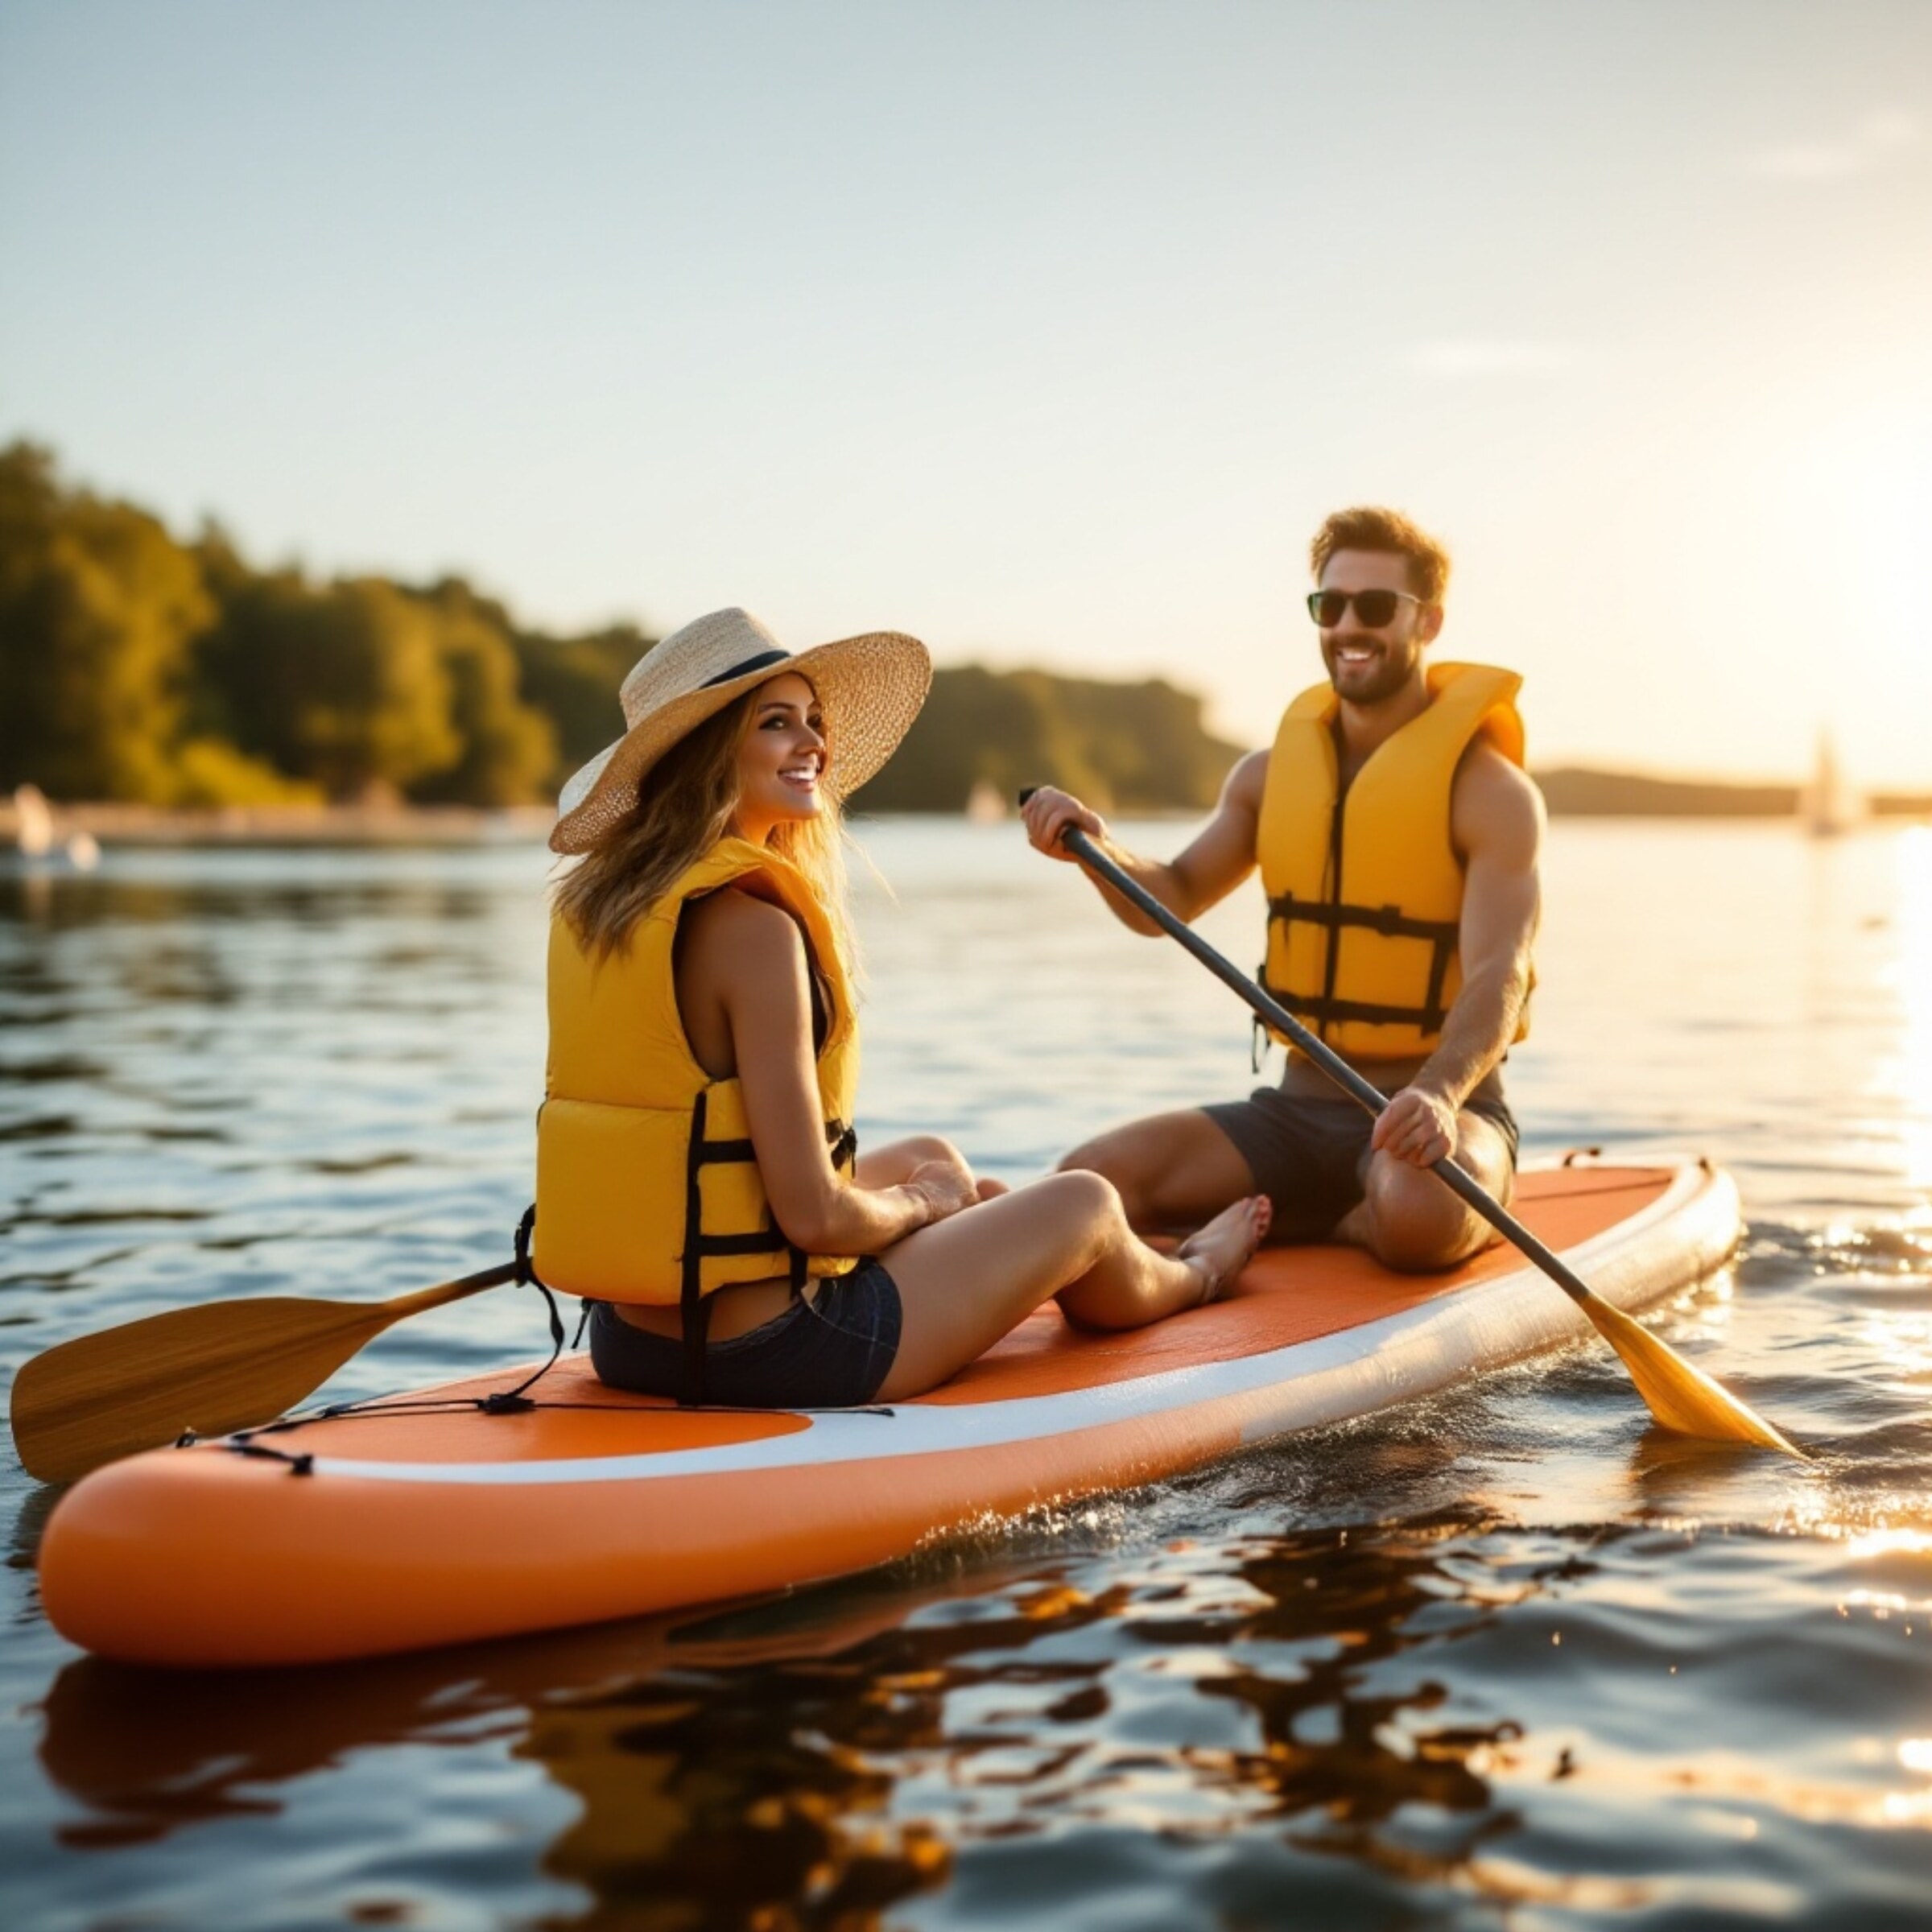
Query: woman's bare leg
(970, 1279)
(1121, 1291)
(892, 1165)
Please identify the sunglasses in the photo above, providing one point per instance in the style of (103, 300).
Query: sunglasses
(1373, 609)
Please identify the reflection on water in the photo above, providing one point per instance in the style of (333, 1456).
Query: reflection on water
(1512, 1657)
(1425, 1715)
(1909, 982)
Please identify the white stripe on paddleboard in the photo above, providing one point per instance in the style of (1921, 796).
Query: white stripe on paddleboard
(1332, 1378)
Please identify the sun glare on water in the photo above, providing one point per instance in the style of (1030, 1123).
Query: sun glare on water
(1912, 1074)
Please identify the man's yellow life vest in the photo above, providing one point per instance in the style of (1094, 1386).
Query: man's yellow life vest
(1364, 887)
(648, 1188)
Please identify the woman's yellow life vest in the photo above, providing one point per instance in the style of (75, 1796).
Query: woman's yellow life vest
(648, 1188)
(1364, 887)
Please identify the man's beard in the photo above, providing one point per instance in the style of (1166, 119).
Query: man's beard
(1382, 677)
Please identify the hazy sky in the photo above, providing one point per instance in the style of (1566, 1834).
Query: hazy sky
(1047, 331)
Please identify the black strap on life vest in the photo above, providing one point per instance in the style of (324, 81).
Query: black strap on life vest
(510, 1402)
(1324, 1008)
(694, 1305)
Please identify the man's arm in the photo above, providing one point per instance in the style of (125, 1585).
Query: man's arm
(1216, 861)
(1497, 821)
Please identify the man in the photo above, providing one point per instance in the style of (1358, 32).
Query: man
(1397, 835)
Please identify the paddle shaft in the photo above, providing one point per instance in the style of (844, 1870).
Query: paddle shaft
(399, 1307)
(1362, 1092)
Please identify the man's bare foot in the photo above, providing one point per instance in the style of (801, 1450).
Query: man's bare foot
(1220, 1251)
(988, 1189)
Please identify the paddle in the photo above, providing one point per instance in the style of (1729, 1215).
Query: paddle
(1680, 1397)
(223, 1366)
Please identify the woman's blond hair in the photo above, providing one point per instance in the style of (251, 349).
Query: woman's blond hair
(684, 805)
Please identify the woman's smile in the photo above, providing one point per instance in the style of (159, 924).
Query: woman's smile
(781, 761)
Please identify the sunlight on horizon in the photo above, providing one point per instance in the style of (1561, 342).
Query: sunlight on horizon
(1861, 515)
(1047, 336)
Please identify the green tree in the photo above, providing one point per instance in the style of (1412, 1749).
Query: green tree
(98, 607)
(344, 684)
(509, 749)
(977, 727)
(575, 681)
(137, 667)
(1119, 747)
(1145, 743)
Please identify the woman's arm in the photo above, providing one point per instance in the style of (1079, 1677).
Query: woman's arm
(748, 957)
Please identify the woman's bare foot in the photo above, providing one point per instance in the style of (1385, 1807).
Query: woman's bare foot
(1220, 1251)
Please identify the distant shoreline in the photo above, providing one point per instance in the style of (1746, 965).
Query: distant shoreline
(1571, 792)
(390, 824)
(1582, 792)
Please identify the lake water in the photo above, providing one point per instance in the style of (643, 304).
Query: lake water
(1512, 1657)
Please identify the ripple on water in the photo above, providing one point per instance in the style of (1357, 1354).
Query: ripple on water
(1510, 1657)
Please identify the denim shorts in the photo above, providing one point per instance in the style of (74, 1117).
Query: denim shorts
(1310, 1157)
(830, 1353)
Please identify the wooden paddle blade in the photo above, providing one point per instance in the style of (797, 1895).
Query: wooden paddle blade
(227, 1365)
(1682, 1397)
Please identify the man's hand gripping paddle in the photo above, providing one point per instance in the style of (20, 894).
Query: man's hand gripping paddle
(1682, 1397)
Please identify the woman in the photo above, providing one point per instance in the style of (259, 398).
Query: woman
(696, 1176)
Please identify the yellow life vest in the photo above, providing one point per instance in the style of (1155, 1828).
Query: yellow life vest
(648, 1188)
(1364, 887)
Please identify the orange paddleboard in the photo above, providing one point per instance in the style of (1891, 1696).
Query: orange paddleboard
(424, 1520)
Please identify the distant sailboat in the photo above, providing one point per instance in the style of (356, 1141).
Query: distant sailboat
(33, 823)
(37, 839)
(1828, 805)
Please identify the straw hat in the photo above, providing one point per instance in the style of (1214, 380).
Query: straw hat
(870, 689)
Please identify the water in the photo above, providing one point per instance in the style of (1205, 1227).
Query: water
(1511, 1658)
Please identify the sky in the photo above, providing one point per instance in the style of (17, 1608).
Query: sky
(1048, 331)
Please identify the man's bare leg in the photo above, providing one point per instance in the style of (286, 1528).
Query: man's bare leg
(1173, 1171)
(1409, 1220)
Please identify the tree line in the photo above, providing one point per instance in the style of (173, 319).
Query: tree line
(140, 667)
